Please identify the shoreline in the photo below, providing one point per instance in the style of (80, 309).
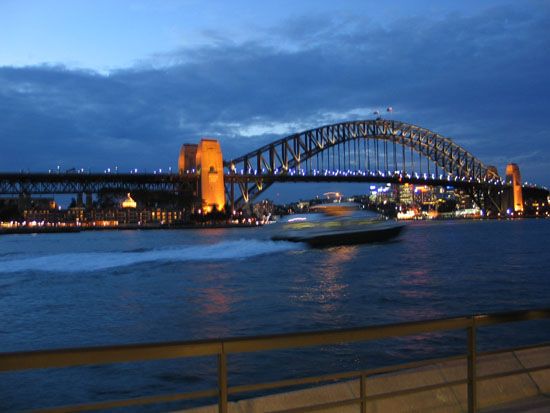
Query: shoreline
(59, 230)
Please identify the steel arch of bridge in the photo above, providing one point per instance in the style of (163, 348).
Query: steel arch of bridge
(298, 153)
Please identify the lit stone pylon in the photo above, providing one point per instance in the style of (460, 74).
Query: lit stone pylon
(209, 163)
(187, 159)
(514, 177)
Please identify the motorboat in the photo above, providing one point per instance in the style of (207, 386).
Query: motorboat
(337, 224)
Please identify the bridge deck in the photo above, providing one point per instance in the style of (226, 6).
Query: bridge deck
(72, 183)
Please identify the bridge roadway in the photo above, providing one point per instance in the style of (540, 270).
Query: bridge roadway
(74, 183)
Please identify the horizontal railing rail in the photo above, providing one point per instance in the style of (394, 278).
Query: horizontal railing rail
(17, 361)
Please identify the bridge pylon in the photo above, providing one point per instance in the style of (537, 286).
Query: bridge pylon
(187, 161)
(513, 199)
(206, 161)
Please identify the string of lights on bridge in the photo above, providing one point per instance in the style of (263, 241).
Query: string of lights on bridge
(311, 173)
(361, 173)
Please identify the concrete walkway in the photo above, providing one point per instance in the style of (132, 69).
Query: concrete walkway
(540, 404)
(499, 395)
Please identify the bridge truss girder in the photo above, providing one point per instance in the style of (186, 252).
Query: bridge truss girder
(74, 183)
(298, 152)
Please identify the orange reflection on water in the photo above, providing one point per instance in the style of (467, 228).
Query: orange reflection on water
(334, 258)
(330, 289)
(426, 343)
(415, 282)
(418, 276)
(218, 297)
(216, 301)
(418, 313)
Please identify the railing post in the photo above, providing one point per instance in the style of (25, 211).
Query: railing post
(363, 393)
(472, 360)
(222, 381)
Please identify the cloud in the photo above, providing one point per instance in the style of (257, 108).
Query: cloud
(482, 80)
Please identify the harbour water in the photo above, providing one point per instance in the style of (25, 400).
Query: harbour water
(121, 287)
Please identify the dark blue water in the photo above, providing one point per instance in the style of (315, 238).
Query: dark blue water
(100, 288)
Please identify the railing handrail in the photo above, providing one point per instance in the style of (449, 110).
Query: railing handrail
(66, 357)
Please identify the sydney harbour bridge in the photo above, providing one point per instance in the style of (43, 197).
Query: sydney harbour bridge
(372, 151)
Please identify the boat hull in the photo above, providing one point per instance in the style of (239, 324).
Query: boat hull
(334, 238)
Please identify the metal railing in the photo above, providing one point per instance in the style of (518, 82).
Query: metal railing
(223, 347)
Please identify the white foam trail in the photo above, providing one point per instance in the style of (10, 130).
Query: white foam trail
(93, 261)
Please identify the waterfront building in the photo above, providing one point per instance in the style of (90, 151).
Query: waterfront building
(406, 194)
(41, 210)
(128, 203)
(75, 214)
(384, 194)
(51, 216)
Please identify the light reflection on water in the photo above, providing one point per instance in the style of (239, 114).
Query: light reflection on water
(331, 288)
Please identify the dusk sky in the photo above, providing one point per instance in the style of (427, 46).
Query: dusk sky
(99, 84)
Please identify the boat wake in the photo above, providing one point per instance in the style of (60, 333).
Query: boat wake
(94, 261)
